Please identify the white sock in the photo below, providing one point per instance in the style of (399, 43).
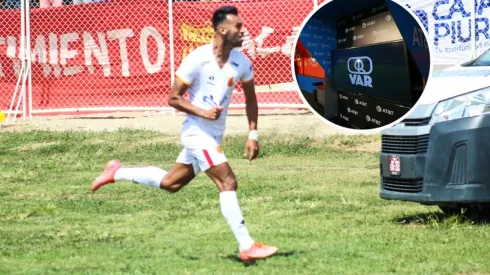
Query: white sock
(233, 215)
(151, 176)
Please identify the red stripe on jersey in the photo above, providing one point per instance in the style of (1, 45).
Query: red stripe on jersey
(208, 158)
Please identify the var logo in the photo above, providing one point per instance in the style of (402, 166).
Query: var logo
(359, 68)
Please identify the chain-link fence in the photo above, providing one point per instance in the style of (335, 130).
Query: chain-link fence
(271, 27)
(116, 55)
(108, 55)
(121, 54)
(10, 57)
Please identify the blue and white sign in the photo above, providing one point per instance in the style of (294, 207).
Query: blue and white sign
(458, 29)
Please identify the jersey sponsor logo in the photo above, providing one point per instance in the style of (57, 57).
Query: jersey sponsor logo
(223, 101)
(209, 100)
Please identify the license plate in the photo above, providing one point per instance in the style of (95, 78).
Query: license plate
(395, 165)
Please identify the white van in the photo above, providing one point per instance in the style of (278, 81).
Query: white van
(440, 153)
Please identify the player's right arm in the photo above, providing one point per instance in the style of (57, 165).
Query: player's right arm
(185, 75)
(177, 100)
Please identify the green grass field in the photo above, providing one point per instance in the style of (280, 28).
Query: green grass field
(317, 200)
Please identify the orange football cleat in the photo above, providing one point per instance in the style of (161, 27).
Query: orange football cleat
(258, 251)
(107, 176)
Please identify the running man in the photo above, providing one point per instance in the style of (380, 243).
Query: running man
(210, 73)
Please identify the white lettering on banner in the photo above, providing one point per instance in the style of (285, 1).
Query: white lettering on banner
(145, 34)
(65, 53)
(122, 35)
(41, 54)
(92, 47)
(54, 58)
(11, 49)
(53, 54)
(253, 46)
(102, 54)
(259, 40)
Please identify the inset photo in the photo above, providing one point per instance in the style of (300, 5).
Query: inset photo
(361, 64)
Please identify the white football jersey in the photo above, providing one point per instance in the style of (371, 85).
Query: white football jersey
(211, 86)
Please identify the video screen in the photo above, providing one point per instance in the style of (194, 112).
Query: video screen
(373, 25)
(379, 71)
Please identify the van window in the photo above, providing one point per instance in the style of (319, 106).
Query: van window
(484, 60)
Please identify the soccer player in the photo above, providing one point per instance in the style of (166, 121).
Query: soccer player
(210, 73)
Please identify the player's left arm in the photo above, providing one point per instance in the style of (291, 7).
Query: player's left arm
(251, 104)
(252, 146)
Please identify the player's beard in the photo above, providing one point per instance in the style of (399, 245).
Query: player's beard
(235, 42)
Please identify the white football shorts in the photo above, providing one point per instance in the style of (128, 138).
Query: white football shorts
(202, 151)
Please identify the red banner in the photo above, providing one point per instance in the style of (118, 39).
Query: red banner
(10, 30)
(117, 54)
(269, 25)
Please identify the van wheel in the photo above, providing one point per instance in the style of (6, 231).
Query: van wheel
(477, 210)
(452, 210)
(482, 210)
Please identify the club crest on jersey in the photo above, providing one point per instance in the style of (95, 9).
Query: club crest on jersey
(230, 81)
